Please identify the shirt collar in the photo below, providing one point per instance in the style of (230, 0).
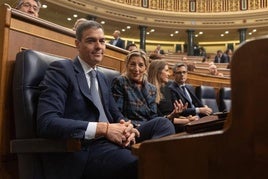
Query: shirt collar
(85, 66)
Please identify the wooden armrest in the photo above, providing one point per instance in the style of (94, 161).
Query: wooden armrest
(41, 145)
(137, 149)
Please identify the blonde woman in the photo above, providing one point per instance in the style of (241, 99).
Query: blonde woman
(135, 97)
(158, 75)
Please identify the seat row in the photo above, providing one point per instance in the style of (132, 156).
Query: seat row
(219, 101)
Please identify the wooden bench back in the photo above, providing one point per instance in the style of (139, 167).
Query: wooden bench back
(240, 150)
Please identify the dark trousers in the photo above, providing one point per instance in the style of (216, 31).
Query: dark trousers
(107, 161)
(102, 159)
(155, 128)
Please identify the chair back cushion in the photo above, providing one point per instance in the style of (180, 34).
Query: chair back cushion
(225, 99)
(109, 73)
(207, 95)
(30, 68)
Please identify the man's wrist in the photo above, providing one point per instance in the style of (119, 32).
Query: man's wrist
(107, 128)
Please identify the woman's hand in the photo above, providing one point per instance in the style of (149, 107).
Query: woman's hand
(178, 108)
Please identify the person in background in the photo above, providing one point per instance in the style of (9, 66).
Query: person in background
(31, 7)
(131, 47)
(157, 50)
(184, 58)
(78, 22)
(117, 41)
(204, 59)
(135, 96)
(202, 52)
(67, 109)
(158, 75)
(220, 57)
(229, 54)
(213, 70)
(156, 54)
(185, 92)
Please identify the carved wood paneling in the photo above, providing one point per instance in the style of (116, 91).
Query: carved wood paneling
(202, 6)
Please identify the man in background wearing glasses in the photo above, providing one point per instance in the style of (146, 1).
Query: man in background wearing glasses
(31, 7)
(186, 93)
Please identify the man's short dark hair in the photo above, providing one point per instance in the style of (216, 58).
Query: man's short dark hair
(130, 45)
(178, 65)
(89, 24)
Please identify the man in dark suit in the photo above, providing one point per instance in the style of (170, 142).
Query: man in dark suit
(66, 110)
(185, 93)
(221, 57)
(117, 41)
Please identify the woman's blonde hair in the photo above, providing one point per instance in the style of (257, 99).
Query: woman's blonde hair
(154, 76)
(137, 53)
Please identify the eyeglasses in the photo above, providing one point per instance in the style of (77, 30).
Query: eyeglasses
(180, 72)
(28, 5)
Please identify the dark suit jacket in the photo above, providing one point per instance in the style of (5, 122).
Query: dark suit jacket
(177, 93)
(223, 59)
(64, 110)
(165, 105)
(120, 43)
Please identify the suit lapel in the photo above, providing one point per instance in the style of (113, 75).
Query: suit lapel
(180, 90)
(83, 86)
(81, 79)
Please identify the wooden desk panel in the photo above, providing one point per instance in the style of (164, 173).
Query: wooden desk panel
(240, 150)
(197, 79)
